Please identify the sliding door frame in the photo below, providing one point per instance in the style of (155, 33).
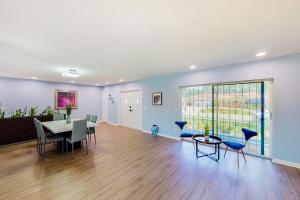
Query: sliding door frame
(216, 98)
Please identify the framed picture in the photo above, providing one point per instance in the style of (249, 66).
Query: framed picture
(63, 98)
(157, 98)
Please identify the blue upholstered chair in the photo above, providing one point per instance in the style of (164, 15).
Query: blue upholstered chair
(183, 135)
(78, 134)
(88, 117)
(92, 130)
(238, 146)
(44, 139)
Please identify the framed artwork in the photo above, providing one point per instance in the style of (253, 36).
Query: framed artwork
(157, 98)
(63, 98)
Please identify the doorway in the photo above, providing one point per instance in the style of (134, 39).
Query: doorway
(131, 109)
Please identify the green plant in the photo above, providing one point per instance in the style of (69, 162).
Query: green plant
(2, 114)
(33, 112)
(69, 109)
(48, 111)
(19, 113)
(206, 130)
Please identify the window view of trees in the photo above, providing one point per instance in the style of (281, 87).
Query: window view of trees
(227, 108)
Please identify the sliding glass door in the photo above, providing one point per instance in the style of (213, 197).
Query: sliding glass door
(229, 107)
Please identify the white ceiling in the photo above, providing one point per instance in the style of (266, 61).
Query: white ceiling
(133, 39)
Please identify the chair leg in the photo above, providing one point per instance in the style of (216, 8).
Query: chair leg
(67, 144)
(180, 142)
(237, 157)
(95, 137)
(72, 148)
(62, 146)
(44, 151)
(193, 143)
(86, 144)
(243, 155)
(225, 151)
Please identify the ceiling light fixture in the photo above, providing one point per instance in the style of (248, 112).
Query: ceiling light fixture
(121, 80)
(97, 84)
(71, 73)
(107, 82)
(34, 77)
(72, 81)
(193, 67)
(260, 54)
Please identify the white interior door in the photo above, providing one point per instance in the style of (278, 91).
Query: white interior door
(131, 109)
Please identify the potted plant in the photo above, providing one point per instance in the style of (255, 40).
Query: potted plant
(206, 132)
(33, 112)
(69, 111)
(2, 112)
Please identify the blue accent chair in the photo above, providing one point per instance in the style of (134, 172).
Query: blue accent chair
(238, 146)
(183, 135)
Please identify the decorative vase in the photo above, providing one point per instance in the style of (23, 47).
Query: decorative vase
(68, 119)
(206, 137)
(154, 130)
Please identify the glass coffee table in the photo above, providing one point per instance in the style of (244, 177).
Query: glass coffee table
(213, 140)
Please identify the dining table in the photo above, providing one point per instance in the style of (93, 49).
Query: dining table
(61, 126)
(64, 129)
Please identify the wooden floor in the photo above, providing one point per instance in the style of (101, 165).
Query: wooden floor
(128, 164)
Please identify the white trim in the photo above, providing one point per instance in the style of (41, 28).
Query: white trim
(287, 163)
(113, 124)
(163, 135)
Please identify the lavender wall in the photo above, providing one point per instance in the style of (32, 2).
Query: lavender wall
(19, 93)
(284, 70)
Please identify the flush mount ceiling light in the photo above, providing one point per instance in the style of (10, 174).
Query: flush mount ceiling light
(34, 77)
(107, 82)
(261, 54)
(193, 67)
(71, 73)
(72, 81)
(121, 80)
(97, 84)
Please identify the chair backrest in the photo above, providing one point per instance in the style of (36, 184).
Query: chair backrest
(58, 116)
(39, 129)
(88, 117)
(249, 133)
(94, 118)
(181, 124)
(79, 130)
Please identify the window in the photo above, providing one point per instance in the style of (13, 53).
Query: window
(229, 107)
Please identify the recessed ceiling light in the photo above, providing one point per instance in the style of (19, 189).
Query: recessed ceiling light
(107, 82)
(193, 67)
(34, 77)
(72, 81)
(71, 73)
(121, 80)
(260, 54)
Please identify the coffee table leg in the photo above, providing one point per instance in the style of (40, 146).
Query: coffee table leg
(218, 151)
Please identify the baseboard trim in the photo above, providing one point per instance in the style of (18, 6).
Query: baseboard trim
(286, 163)
(113, 124)
(163, 135)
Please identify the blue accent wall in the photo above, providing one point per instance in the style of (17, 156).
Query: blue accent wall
(286, 101)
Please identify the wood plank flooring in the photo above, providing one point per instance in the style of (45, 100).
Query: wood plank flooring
(129, 164)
